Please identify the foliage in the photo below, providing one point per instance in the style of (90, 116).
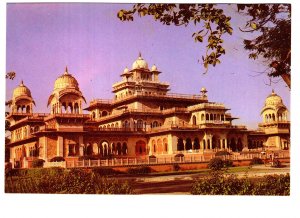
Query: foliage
(216, 164)
(256, 161)
(219, 184)
(214, 23)
(139, 170)
(57, 159)
(105, 171)
(271, 24)
(38, 163)
(276, 163)
(75, 181)
(10, 75)
(228, 163)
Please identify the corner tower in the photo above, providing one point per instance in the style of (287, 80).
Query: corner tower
(275, 122)
(66, 96)
(22, 101)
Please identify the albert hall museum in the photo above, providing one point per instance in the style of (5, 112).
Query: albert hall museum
(143, 119)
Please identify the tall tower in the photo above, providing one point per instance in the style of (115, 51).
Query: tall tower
(22, 101)
(66, 96)
(140, 80)
(275, 122)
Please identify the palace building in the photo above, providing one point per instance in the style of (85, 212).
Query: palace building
(142, 119)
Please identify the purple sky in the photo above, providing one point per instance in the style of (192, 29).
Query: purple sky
(96, 46)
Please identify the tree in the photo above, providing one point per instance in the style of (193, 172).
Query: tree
(213, 20)
(270, 22)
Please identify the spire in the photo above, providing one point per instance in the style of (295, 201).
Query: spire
(140, 54)
(273, 92)
(66, 70)
(21, 84)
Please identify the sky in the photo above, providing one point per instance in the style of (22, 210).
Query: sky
(42, 39)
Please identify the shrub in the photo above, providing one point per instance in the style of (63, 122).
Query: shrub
(139, 170)
(276, 163)
(216, 164)
(228, 163)
(176, 167)
(256, 161)
(105, 171)
(75, 181)
(57, 159)
(38, 163)
(219, 184)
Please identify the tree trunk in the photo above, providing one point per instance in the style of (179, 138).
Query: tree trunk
(287, 79)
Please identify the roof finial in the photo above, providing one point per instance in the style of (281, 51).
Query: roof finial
(140, 54)
(22, 83)
(66, 70)
(273, 91)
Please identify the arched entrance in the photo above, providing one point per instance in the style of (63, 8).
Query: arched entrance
(140, 148)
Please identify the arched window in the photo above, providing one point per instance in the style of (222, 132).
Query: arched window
(93, 115)
(153, 146)
(119, 148)
(155, 124)
(196, 144)
(124, 148)
(139, 125)
(204, 144)
(207, 117)
(194, 120)
(211, 117)
(165, 144)
(180, 146)
(273, 117)
(28, 109)
(104, 113)
(188, 144)
(127, 124)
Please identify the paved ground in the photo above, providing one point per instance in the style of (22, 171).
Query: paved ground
(181, 184)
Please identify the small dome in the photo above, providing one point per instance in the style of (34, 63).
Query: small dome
(66, 81)
(273, 99)
(126, 70)
(21, 90)
(203, 89)
(154, 68)
(140, 63)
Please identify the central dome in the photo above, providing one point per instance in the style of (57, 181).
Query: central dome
(140, 63)
(273, 99)
(21, 90)
(66, 81)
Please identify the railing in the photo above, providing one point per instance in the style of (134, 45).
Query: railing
(199, 158)
(274, 122)
(68, 115)
(207, 105)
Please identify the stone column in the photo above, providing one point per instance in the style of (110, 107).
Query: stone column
(45, 148)
(60, 146)
(81, 144)
(226, 146)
